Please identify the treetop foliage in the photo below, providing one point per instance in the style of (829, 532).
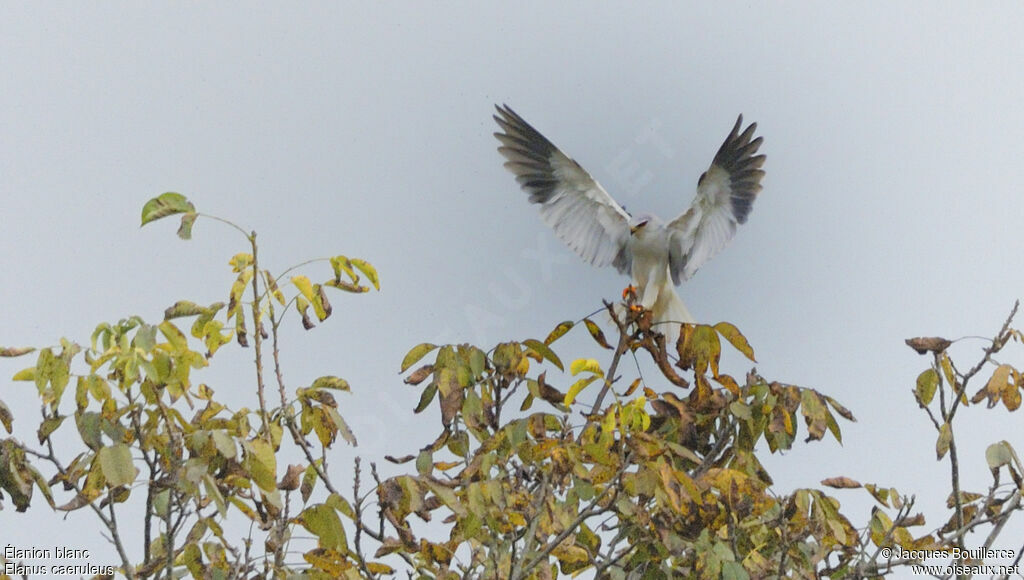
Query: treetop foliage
(542, 464)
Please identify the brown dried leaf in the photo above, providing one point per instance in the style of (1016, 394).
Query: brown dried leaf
(925, 345)
(841, 482)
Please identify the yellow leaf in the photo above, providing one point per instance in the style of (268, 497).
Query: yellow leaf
(736, 339)
(608, 425)
(947, 370)
(261, 463)
(559, 331)
(367, 269)
(544, 351)
(633, 386)
(523, 367)
(699, 349)
(304, 286)
(1011, 397)
(576, 388)
(586, 364)
(595, 331)
(343, 264)
(945, 438)
(331, 382)
(414, 355)
(323, 522)
(240, 262)
(927, 382)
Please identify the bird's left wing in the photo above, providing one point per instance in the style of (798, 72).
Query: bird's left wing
(572, 202)
(725, 194)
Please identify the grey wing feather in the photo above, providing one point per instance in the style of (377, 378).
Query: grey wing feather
(725, 196)
(580, 211)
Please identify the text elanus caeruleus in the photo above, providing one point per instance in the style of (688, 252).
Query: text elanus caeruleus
(655, 254)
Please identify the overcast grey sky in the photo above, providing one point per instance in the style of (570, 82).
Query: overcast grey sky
(891, 206)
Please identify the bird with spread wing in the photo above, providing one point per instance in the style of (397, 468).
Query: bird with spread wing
(655, 254)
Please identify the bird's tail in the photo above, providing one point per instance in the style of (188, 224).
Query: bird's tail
(668, 312)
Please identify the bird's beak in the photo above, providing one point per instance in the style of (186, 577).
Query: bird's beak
(633, 230)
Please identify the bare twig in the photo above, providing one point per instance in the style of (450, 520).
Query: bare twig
(621, 348)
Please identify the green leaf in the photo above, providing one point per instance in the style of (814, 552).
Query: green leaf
(542, 349)
(48, 426)
(343, 428)
(213, 492)
(261, 463)
(145, 337)
(741, 410)
(815, 414)
(331, 382)
(117, 466)
(425, 462)
(341, 504)
(323, 522)
(6, 418)
(426, 397)
(42, 485)
(225, 443)
(734, 570)
(164, 205)
(448, 497)
(477, 361)
(927, 382)
(185, 229)
(458, 443)
(559, 331)
(736, 339)
(843, 411)
(998, 455)
(88, 425)
(414, 355)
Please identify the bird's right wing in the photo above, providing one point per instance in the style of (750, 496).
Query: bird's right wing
(725, 194)
(580, 211)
